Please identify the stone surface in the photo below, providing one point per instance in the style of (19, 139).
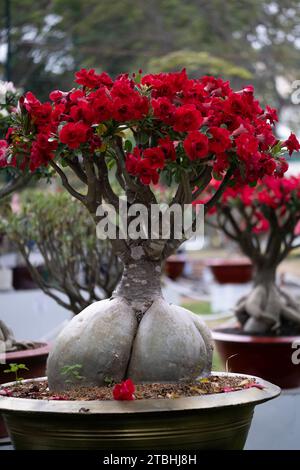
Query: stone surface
(99, 339)
(171, 344)
(276, 424)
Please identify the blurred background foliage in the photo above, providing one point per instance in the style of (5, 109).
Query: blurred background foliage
(243, 40)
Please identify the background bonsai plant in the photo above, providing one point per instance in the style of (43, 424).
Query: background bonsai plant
(75, 262)
(142, 129)
(11, 180)
(262, 220)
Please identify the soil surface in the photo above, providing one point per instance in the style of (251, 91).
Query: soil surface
(205, 386)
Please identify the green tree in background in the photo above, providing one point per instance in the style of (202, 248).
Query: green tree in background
(241, 40)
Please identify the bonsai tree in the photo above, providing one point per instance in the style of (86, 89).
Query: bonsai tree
(263, 220)
(77, 263)
(11, 179)
(142, 129)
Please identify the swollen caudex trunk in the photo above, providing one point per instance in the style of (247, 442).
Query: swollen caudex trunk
(8, 343)
(134, 334)
(267, 306)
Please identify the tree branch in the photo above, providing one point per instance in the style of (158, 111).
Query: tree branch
(15, 184)
(219, 191)
(66, 183)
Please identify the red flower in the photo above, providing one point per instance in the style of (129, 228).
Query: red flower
(187, 118)
(74, 134)
(246, 145)
(130, 108)
(270, 166)
(5, 392)
(196, 145)
(292, 144)
(124, 391)
(42, 114)
(30, 102)
(147, 174)
(255, 385)
(57, 95)
(84, 111)
(271, 114)
(41, 151)
(282, 167)
(133, 161)
(163, 109)
(90, 79)
(167, 146)
(76, 96)
(228, 389)
(102, 103)
(220, 140)
(221, 164)
(122, 109)
(57, 397)
(155, 157)
(3, 153)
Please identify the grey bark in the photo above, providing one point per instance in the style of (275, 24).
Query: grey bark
(140, 284)
(264, 309)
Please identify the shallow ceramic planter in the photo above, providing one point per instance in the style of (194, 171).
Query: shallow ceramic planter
(231, 271)
(266, 356)
(220, 421)
(34, 359)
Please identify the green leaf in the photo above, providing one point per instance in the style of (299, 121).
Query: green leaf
(128, 145)
(111, 163)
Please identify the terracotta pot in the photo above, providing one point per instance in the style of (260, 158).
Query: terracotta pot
(265, 356)
(34, 359)
(231, 271)
(219, 421)
(174, 266)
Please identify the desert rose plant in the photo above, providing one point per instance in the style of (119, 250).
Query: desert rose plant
(12, 179)
(263, 221)
(142, 130)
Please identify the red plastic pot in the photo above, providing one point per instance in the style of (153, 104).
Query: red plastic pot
(22, 279)
(174, 266)
(34, 359)
(265, 356)
(231, 271)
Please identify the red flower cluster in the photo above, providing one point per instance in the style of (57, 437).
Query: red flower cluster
(3, 151)
(174, 120)
(146, 163)
(124, 391)
(280, 194)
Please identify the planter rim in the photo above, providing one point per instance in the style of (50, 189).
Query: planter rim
(221, 400)
(220, 335)
(43, 349)
(224, 262)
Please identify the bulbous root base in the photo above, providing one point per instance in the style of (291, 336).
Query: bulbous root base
(106, 340)
(265, 308)
(8, 343)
